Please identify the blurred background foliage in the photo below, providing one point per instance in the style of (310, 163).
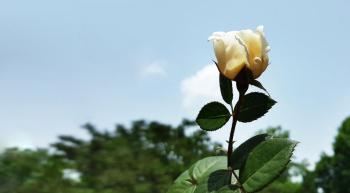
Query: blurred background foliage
(147, 157)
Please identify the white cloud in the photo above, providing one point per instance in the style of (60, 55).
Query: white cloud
(201, 88)
(155, 69)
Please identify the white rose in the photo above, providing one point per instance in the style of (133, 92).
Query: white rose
(238, 49)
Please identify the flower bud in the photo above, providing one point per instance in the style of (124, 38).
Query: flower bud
(235, 50)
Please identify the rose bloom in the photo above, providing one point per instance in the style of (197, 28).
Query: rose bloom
(235, 50)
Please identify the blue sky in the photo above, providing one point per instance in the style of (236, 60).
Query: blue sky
(64, 63)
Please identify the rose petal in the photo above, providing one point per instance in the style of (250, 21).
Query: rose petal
(231, 55)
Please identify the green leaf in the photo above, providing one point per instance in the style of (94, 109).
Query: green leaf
(259, 85)
(265, 163)
(226, 89)
(209, 175)
(213, 116)
(241, 153)
(254, 106)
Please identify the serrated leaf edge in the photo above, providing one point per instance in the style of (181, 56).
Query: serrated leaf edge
(281, 171)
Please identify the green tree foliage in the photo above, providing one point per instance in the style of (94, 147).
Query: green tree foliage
(333, 171)
(24, 171)
(144, 158)
(17, 167)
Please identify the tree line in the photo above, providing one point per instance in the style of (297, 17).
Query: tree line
(147, 157)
